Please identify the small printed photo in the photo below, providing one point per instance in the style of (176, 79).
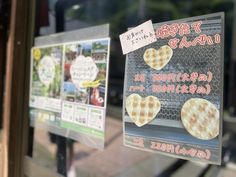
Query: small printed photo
(74, 50)
(99, 51)
(73, 94)
(101, 76)
(97, 96)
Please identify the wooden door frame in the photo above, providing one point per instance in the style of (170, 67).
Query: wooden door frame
(15, 113)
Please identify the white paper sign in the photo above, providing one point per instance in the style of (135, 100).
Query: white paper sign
(137, 37)
(83, 70)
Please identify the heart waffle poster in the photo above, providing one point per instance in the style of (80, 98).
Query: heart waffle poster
(173, 92)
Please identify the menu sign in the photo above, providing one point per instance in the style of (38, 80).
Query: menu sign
(173, 90)
(69, 89)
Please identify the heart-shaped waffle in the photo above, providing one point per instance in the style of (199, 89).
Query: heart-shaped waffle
(142, 110)
(200, 118)
(157, 59)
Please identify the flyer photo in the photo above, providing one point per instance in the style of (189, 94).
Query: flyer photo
(97, 96)
(99, 51)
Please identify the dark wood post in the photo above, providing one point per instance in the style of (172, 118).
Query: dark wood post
(15, 116)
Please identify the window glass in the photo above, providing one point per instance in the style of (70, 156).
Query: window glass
(71, 158)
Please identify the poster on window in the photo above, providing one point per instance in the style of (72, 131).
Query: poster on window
(68, 86)
(45, 93)
(173, 92)
(85, 86)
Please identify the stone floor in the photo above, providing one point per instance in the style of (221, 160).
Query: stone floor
(116, 160)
